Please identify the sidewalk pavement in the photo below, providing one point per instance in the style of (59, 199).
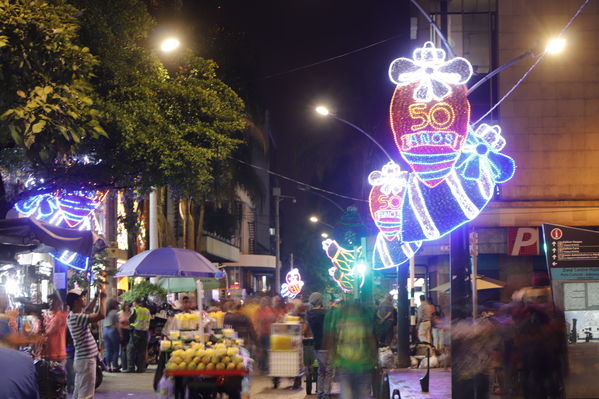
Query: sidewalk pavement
(407, 380)
(139, 386)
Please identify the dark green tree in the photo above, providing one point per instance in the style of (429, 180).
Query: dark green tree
(46, 106)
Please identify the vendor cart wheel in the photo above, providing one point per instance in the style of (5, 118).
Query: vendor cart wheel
(275, 382)
(309, 383)
(297, 382)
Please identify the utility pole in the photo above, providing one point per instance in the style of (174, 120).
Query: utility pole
(276, 191)
(403, 317)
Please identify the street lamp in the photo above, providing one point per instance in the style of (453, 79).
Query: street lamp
(324, 111)
(170, 44)
(555, 46)
(324, 235)
(315, 219)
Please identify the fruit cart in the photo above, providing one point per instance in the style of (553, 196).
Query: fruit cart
(208, 383)
(285, 357)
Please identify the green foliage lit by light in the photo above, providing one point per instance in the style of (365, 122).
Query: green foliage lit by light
(46, 105)
(143, 290)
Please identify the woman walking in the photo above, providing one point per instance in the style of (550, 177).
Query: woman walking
(112, 336)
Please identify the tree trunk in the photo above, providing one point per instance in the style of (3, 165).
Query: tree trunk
(200, 229)
(131, 224)
(5, 204)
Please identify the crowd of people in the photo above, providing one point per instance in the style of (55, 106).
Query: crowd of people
(78, 336)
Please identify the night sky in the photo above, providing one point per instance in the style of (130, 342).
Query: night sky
(253, 40)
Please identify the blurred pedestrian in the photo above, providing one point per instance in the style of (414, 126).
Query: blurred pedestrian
(18, 378)
(54, 349)
(424, 317)
(86, 349)
(279, 308)
(242, 325)
(264, 319)
(384, 321)
(9, 336)
(353, 349)
(55, 330)
(112, 336)
(137, 347)
(124, 314)
(316, 316)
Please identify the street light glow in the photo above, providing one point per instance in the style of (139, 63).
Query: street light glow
(170, 44)
(556, 46)
(314, 219)
(324, 235)
(322, 110)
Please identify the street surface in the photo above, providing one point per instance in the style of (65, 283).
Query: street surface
(139, 386)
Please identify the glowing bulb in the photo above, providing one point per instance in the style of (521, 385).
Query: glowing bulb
(361, 268)
(324, 235)
(322, 110)
(556, 46)
(313, 219)
(170, 44)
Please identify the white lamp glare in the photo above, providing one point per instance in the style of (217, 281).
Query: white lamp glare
(170, 44)
(324, 235)
(313, 219)
(322, 110)
(556, 46)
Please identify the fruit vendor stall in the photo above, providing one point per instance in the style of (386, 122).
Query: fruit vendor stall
(220, 365)
(193, 360)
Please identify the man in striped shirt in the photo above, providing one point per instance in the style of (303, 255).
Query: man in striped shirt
(86, 349)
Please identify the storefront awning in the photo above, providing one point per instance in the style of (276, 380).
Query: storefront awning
(28, 234)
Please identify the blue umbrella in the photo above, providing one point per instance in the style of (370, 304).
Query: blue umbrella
(169, 262)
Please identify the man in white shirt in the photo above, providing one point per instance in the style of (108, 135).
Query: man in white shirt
(86, 349)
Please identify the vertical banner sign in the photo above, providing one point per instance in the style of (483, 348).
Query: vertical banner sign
(571, 253)
(453, 167)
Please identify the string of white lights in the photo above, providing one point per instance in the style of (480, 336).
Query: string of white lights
(539, 59)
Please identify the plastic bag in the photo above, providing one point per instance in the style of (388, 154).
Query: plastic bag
(166, 387)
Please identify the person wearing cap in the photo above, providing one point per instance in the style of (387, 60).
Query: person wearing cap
(315, 318)
(137, 347)
(86, 350)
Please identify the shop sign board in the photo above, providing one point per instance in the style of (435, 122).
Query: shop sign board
(571, 253)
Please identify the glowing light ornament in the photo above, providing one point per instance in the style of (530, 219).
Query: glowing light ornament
(454, 169)
(293, 285)
(430, 111)
(78, 205)
(71, 209)
(344, 271)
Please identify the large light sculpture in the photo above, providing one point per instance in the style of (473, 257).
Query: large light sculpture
(70, 209)
(454, 166)
(293, 284)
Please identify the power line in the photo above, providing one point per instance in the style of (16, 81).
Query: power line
(510, 91)
(326, 59)
(435, 27)
(297, 181)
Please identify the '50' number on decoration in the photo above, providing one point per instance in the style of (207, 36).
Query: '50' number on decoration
(439, 117)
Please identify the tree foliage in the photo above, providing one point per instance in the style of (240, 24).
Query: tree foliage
(46, 105)
(164, 128)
